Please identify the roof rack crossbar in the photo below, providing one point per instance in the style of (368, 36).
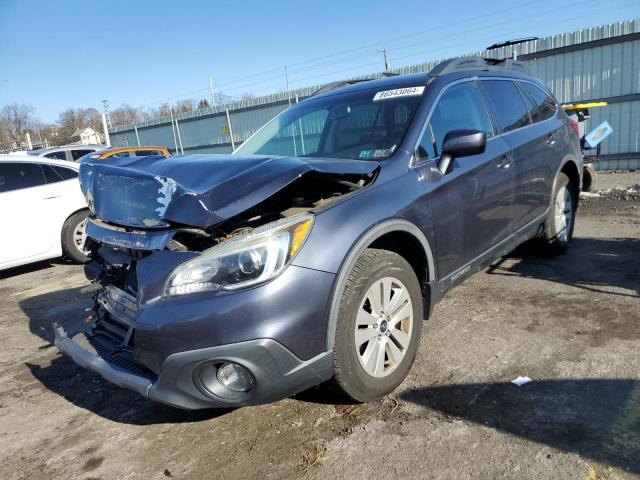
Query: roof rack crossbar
(462, 64)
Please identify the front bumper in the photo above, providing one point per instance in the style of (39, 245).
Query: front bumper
(278, 372)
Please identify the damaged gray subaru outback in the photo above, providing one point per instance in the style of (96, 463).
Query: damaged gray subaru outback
(315, 251)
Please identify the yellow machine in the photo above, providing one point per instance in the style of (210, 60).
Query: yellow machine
(580, 112)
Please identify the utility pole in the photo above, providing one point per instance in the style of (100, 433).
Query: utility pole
(286, 79)
(105, 104)
(213, 92)
(105, 128)
(387, 63)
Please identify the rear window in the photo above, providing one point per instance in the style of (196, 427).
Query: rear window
(507, 104)
(544, 104)
(15, 176)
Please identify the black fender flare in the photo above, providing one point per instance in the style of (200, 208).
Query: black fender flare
(375, 232)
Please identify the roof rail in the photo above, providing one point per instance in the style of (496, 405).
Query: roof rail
(462, 64)
(339, 84)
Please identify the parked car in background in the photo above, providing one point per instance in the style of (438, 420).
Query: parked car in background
(70, 153)
(315, 251)
(120, 152)
(42, 210)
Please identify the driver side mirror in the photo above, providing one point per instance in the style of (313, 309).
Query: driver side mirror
(460, 143)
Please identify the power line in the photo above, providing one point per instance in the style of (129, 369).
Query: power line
(292, 73)
(448, 26)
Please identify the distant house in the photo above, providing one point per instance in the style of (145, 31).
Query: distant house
(87, 136)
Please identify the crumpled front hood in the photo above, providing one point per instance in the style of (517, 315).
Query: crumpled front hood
(195, 190)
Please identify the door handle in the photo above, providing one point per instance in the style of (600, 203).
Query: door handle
(550, 140)
(504, 163)
(51, 198)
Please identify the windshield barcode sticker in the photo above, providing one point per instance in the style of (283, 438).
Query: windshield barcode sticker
(398, 92)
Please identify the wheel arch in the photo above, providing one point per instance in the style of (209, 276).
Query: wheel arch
(570, 168)
(388, 235)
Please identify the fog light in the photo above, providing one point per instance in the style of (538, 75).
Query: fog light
(235, 377)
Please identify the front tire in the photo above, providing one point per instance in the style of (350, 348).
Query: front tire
(379, 326)
(562, 215)
(73, 237)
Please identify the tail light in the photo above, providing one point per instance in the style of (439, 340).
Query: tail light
(575, 128)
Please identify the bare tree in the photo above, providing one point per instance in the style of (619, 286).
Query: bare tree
(164, 110)
(71, 120)
(15, 119)
(124, 114)
(204, 103)
(183, 106)
(94, 119)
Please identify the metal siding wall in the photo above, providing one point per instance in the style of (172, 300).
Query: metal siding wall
(597, 72)
(591, 74)
(625, 120)
(246, 122)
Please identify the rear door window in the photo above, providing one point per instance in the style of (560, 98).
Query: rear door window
(507, 104)
(459, 108)
(54, 173)
(545, 105)
(16, 176)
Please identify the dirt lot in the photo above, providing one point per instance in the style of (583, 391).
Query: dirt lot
(572, 324)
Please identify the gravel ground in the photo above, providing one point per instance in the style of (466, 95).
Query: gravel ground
(571, 323)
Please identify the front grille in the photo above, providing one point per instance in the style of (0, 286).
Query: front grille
(120, 358)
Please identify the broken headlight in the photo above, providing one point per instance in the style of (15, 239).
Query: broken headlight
(242, 261)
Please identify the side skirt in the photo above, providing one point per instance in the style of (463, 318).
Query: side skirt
(533, 229)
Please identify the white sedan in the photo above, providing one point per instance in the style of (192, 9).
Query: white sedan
(42, 210)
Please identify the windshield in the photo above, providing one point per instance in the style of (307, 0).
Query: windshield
(366, 125)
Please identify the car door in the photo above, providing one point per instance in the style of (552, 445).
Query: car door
(24, 212)
(472, 206)
(536, 172)
(533, 143)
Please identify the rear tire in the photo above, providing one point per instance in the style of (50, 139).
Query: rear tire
(73, 237)
(561, 218)
(379, 326)
(589, 178)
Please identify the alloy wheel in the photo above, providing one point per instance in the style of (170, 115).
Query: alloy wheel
(563, 214)
(383, 327)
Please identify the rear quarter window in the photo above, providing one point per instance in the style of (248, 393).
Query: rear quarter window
(544, 104)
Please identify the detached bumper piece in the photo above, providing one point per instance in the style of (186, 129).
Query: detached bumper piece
(185, 380)
(85, 355)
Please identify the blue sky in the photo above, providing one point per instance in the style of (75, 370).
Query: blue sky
(68, 53)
